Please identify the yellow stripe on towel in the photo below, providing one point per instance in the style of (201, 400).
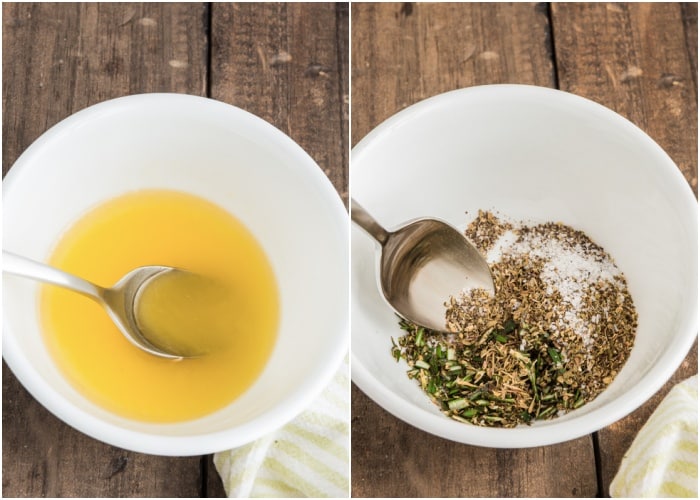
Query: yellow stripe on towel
(309, 457)
(663, 459)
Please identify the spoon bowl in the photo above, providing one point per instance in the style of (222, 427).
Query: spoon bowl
(422, 264)
(120, 301)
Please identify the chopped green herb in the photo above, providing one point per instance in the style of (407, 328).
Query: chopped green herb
(500, 338)
(554, 354)
(422, 364)
(470, 412)
(457, 404)
(509, 326)
(419, 337)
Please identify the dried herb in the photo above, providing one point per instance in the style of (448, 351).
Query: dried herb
(557, 332)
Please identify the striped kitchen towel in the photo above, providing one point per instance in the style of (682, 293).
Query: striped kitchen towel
(663, 458)
(309, 457)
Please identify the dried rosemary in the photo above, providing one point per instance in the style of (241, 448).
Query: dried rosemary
(558, 330)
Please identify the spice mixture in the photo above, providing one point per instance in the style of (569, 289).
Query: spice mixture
(557, 331)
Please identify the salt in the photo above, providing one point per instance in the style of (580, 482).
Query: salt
(570, 268)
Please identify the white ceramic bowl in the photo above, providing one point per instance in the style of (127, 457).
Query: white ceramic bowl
(231, 158)
(541, 155)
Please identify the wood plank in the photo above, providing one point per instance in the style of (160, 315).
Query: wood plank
(42, 457)
(690, 22)
(402, 53)
(213, 487)
(393, 459)
(57, 59)
(288, 64)
(60, 58)
(634, 59)
(343, 41)
(281, 62)
(641, 61)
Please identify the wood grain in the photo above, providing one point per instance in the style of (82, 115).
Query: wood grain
(634, 59)
(60, 58)
(343, 36)
(638, 59)
(393, 459)
(290, 74)
(403, 53)
(42, 457)
(689, 12)
(212, 487)
(291, 70)
(641, 61)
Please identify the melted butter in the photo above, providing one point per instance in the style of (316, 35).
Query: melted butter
(185, 313)
(228, 307)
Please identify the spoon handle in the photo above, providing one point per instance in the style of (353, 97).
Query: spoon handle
(363, 219)
(27, 268)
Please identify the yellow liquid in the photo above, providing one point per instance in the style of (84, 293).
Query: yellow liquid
(232, 311)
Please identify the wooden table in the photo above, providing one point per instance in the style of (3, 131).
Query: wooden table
(287, 63)
(637, 59)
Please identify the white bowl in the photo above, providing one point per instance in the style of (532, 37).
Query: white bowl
(540, 155)
(227, 156)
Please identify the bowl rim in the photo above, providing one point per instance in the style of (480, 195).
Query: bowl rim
(202, 443)
(553, 432)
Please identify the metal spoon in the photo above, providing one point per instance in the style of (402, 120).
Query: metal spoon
(422, 264)
(120, 301)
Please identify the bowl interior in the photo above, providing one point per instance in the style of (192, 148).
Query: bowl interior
(536, 155)
(231, 158)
